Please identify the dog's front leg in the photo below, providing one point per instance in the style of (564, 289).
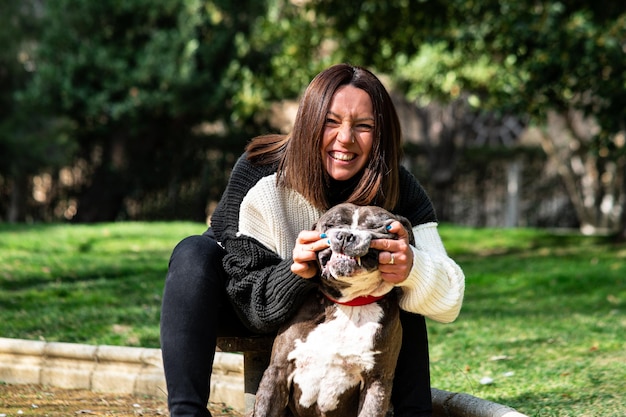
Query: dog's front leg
(272, 396)
(375, 399)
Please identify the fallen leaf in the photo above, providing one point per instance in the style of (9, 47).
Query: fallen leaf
(486, 380)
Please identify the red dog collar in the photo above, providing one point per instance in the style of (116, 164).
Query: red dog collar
(358, 301)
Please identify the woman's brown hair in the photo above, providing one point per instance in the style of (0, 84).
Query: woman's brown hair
(300, 165)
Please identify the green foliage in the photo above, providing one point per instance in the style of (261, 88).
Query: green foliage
(106, 62)
(533, 59)
(298, 45)
(29, 141)
(517, 56)
(141, 81)
(32, 144)
(543, 315)
(143, 90)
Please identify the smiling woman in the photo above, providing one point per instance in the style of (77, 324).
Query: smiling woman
(250, 272)
(341, 104)
(348, 133)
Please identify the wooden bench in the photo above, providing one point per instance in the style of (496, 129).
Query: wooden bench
(256, 357)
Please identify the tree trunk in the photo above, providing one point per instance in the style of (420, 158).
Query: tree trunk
(514, 172)
(594, 180)
(17, 202)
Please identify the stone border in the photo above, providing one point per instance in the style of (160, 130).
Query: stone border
(139, 371)
(452, 404)
(115, 369)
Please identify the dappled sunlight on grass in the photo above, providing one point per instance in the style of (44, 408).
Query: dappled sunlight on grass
(76, 283)
(542, 324)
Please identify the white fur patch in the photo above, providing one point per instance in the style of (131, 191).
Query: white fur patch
(355, 219)
(367, 283)
(334, 355)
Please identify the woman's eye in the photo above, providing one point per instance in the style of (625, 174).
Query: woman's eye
(364, 127)
(332, 122)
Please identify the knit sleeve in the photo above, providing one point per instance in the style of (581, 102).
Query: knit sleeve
(436, 284)
(261, 286)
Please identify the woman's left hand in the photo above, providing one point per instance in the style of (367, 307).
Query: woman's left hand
(396, 257)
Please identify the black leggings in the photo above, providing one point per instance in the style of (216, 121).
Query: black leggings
(196, 310)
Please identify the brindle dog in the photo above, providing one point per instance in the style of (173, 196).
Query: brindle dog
(337, 356)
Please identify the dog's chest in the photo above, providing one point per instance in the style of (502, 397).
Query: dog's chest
(334, 355)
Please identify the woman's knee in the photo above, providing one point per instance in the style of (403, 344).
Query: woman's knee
(196, 256)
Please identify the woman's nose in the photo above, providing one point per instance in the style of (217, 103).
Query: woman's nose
(345, 134)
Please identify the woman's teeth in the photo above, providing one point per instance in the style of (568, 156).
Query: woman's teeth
(342, 156)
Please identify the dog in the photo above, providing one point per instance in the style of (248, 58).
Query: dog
(337, 355)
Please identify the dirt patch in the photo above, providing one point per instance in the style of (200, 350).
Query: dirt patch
(44, 401)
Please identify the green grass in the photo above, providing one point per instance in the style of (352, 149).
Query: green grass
(543, 315)
(98, 284)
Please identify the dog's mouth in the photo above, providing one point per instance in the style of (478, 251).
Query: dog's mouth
(345, 277)
(349, 267)
(337, 265)
(340, 257)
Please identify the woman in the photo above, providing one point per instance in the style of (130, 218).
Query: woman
(345, 146)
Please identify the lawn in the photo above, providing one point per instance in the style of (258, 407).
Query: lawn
(96, 284)
(542, 327)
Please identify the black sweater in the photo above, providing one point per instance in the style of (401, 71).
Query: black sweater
(261, 286)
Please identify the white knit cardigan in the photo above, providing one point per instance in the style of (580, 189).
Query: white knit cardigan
(275, 216)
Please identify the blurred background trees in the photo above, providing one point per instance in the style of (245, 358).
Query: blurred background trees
(561, 64)
(137, 110)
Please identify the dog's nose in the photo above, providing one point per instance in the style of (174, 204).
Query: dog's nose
(345, 237)
(349, 242)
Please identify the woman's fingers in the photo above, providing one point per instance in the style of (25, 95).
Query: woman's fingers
(396, 256)
(305, 251)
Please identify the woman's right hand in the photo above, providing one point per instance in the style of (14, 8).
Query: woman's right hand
(308, 243)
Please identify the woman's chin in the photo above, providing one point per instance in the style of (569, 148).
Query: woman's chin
(342, 171)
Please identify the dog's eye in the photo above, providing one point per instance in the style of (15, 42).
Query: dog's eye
(378, 226)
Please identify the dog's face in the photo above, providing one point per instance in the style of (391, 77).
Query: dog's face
(349, 260)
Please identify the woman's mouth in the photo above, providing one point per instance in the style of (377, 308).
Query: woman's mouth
(342, 156)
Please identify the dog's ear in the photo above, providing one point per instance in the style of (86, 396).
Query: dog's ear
(408, 227)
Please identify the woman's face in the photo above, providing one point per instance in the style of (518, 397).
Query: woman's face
(348, 133)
